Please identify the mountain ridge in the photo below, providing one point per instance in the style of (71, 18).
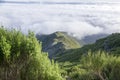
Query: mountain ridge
(109, 44)
(57, 43)
(60, 43)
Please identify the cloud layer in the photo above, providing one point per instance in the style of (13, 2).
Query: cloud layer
(65, 0)
(80, 20)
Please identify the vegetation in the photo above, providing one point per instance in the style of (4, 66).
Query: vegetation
(57, 43)
(97, 66)
(110, 44)
(100, 63)
(21, 58)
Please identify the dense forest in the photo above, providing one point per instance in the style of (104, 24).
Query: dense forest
(23, 58)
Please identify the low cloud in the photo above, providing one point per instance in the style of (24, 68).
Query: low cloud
(63, 0)
(80, 20)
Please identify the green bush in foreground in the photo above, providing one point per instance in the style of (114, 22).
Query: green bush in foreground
(21, 58)
(97, 66)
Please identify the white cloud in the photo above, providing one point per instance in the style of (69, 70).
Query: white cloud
(65, 0)
(80, 20)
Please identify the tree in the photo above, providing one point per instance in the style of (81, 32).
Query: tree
(21, 58)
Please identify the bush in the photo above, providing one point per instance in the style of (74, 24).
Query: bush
(98, 66)
(21, 58)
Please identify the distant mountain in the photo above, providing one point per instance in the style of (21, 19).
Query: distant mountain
(57, 43)
(64, 47)
(92, 38)
(110, 44)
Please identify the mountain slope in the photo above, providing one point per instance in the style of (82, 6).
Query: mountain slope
(110, 44)
(90, 39)
(57, 43)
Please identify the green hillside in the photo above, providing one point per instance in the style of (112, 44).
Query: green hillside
(70, 48)
(110, 44)
(57, 43)
(98, 61)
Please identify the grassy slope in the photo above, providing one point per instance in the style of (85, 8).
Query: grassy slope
(69, 42)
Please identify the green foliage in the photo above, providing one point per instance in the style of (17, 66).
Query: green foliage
(5, 49)
(94, 64)
(97, 66)
(21, 58)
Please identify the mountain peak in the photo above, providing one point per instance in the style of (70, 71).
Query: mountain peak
(57, 43)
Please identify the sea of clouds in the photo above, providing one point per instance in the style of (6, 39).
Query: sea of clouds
(78, 19)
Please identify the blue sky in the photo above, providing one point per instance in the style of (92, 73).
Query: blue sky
(81, 20)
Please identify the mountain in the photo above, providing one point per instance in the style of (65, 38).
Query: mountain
(92, 38)
(110, 44)
(57, 43)
(64, 47)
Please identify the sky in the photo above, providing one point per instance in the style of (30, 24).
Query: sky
(62, 0)
(79, 19)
